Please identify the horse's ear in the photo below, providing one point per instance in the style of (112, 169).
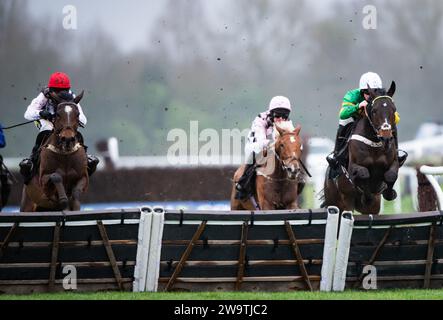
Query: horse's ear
(297, 129)
(55, 97)
(371, 91)
(391, 90)
(79, 97)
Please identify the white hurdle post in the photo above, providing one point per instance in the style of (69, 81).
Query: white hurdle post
(150, 234)
(327, 269)
(144, 237)
(344, 244)
(430, 172)
(155, 245)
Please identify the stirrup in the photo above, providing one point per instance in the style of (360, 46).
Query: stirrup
(402, 156)
(240, 192)
(332, 160)
(92, 164)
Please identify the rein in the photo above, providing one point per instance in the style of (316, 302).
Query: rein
(293, 158)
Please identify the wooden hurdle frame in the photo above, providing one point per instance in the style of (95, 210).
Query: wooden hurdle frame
(215, 251)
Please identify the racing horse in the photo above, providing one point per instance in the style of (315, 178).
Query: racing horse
(280, 176)
(372, 159)
(62, 173)
(5, 184)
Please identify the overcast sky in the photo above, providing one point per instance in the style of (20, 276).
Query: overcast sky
(128, 22)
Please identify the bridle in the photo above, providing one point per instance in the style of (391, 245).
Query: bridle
(290, 159)
(58, 132)
(285, 167)
(384, 126)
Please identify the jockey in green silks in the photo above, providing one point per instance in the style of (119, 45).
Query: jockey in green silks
(354, 101)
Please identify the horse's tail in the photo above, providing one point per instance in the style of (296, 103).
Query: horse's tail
(322, 198)
(322, 194)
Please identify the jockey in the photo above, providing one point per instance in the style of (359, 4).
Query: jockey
(5, 176)
(42, 110)
(2, 138)
(259, 137)
(354, 101)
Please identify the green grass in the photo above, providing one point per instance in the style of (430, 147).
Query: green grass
(409, 294)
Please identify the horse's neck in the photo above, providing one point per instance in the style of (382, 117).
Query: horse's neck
(51, 139)
(278, 172)
(364, 128)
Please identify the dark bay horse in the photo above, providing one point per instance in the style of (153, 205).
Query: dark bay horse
(373, 161)
(280, 177)
(63, 175)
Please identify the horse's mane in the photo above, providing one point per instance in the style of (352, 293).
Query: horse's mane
(380, 92)
(285, 125)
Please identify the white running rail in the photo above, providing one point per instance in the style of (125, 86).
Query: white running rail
(430, 172)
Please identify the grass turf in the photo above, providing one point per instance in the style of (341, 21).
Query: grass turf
(408, 294)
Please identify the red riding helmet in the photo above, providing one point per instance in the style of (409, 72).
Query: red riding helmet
(59, 80)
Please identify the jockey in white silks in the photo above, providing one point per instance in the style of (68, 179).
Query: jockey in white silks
(42, 110)
(259, 137)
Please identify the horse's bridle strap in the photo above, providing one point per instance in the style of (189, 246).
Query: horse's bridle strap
(380, 97)
(366, 141)
(58, 151)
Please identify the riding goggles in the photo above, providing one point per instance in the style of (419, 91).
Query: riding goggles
(280, 114)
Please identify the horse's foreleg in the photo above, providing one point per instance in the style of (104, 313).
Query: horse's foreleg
(390, 177)
(57, 180)
(76, 192)
(358, 172)
(293, 206)
(26, 205)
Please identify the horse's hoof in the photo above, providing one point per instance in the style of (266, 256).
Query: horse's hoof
(390, 194)
(361, 173)
(55, 178)
(64, 203)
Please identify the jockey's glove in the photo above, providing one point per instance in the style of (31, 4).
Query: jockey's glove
(46, 92)
(45, 114)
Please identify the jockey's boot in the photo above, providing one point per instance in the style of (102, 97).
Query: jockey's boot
(340, 143)
(92, 160)
(243, 185)
(92, 164)
(27, 165)
(401, 154)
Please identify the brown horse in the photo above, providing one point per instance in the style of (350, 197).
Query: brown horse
(63, 172)
(280, 178)
(373, 161)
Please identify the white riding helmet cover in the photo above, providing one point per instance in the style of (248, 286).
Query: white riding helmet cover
(372, 79)
(279, 102)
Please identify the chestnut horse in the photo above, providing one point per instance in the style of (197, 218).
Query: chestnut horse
(63, 174)
(373, 161)
(280, 178)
